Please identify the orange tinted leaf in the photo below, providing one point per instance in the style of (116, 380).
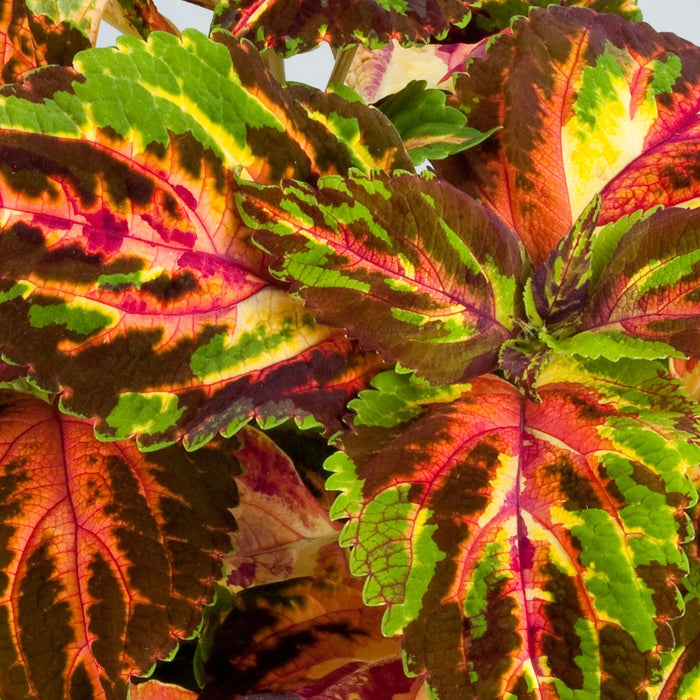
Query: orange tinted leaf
(281, 525)
(688, 371)
(589, 103)
(155, 690)
(137, 261)
(28, 41)
(292, 634)
(108, 554)
(380, 680)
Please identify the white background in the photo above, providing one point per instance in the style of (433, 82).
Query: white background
(679, 16)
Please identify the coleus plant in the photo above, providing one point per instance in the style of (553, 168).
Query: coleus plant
(491, 356)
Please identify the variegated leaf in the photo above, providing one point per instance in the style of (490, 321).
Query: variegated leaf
(650, 287)
(29, 40)
(300, 25)
(681, 666)
(221, 91)
(137, 17)
(108, 554)
(294, 634)
(689, 373)
(408, 266)
(123, 253)
(378, 73)
(589, 104)
(492, 16)
(155, 690)
(84, 14)
(560, 289)
(281, 526)
(523, 548)
(151, 282)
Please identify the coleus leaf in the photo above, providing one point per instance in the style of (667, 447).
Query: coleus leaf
(689, 373)
(558, 290)
(514, 541)
(681, 667)
(28, 41)
(681, 677)
(492, 16)
(221, 91)
(155, 690)
(588, 104)
(108, 554)
(380, 680)
(293, 634)
(281, 524)
(137, 17)
(300, 25)
(378, 73)
(408, 266)
(121, 252)
(151, 286)
(650, 287)
(84, 14)
(429, 128)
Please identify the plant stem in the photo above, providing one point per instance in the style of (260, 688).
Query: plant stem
(343, 61)
(275, 64)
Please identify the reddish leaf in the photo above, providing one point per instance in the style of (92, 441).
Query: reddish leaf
(689, 373)
(281, 526)
(523, 545)
(376, 73)
(137, 16)
(291, 635)
(8, 373)
(495, 15)
(108, 555)
(135, 260)
(588, 103)
(650, 287)
(28, 41)
(300, 25)
(681, 672)
(155, 690)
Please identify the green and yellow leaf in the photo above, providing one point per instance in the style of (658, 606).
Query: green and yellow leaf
(589, 104)
(524, 547)
(650, 287)
(127, 281)
(410, 267)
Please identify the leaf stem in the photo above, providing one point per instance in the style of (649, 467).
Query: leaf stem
(275, 64)
(343, 61)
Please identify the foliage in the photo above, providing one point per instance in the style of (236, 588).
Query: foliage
(281, 415)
